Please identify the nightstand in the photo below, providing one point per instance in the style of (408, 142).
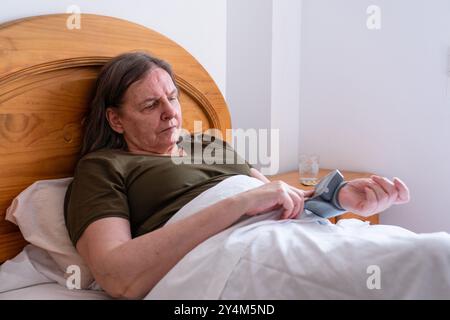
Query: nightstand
(292, 178)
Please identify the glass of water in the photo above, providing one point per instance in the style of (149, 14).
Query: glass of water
(308, 169)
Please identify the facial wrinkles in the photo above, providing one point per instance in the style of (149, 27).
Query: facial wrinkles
(159, 86)
(156, 85)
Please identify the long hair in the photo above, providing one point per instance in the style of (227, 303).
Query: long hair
(114, 79)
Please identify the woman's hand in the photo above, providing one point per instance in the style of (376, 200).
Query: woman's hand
(274, 195)
(368, 196)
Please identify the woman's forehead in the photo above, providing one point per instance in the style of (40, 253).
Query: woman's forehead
(155, 83)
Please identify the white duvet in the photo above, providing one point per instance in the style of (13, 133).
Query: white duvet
(265, 258)
(307, 258)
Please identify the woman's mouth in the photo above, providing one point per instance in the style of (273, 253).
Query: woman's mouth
(169, 129)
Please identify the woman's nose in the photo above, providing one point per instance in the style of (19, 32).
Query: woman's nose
(169, 111)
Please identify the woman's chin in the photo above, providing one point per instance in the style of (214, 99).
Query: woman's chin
(170, 142)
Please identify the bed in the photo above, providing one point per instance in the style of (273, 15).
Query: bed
(46, 77)
(46, 81)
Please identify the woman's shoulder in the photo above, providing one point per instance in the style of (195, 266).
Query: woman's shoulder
(103, 154)
(105, 158)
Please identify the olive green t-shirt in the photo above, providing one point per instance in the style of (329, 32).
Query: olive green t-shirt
(145, 189)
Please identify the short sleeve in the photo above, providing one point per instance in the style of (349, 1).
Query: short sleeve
(226, 146)
(97, 191)
(249, 165)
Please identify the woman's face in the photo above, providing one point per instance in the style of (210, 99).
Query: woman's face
(150, 118)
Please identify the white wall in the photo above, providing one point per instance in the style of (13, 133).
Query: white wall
(285, 99)
(263, 71)
(249, 45)
(379, 101)
(197, 25)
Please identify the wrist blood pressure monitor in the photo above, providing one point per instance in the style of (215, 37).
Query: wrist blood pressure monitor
(324, 201)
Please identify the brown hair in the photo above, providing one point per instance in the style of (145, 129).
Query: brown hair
(114, 79)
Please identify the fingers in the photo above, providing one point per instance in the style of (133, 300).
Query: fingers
(388, 187)
(403, 191)
(303, 196)
(293, 202)
(288, 206)
(397, 190)
(298, 203)
(300, 192)
(308, 194)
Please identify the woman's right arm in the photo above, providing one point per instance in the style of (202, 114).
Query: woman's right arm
(130, 268)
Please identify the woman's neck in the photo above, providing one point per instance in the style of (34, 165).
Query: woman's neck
(176, 151)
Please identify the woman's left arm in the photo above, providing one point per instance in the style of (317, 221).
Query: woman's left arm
(367, 196)
(364, 196)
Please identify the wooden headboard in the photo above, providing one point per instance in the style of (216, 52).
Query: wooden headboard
(47, 73)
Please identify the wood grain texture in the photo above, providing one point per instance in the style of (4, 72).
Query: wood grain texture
(47, 73)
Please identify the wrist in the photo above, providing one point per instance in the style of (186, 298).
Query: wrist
(337, 198)
(239, 203)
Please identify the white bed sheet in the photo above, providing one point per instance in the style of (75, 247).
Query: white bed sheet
(263, 258)
(306, 258)
(33, 275)
(52, 291)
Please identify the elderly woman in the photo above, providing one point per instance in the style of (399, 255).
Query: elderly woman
(126, 186)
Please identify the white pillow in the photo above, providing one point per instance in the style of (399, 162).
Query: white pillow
(38, 211)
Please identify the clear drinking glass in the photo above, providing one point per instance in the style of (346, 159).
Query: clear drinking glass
(308, 169)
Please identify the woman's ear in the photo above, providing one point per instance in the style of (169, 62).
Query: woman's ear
(113, 117)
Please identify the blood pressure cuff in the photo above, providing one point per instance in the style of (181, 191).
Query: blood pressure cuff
(324, 201)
